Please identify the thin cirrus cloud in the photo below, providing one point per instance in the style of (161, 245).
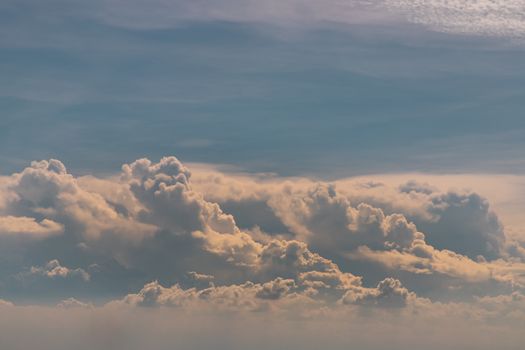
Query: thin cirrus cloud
(483, 17)
(480, 17)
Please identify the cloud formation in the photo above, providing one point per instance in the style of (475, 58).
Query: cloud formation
(482, 17)
(500, 18)
(53, 269)
(160, 241)
(159, 234)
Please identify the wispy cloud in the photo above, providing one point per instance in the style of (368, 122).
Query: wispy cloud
(503, 18)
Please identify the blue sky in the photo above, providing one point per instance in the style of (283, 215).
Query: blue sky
(275, 95)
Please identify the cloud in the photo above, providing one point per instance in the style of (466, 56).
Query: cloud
(424, 259)
(200, 276)
(26, 226)
(355, 242)
(455, 219)
(389, 293)
(73, 303)
(53, 269)
(481, 17)
(278, 295)
(244, 297)
(44, 199)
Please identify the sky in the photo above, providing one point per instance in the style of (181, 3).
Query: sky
(236, 174)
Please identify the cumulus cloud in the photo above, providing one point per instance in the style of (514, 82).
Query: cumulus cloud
(45, 189)
(347, 242)
(244, 297)
(389, 293)
(277, 295)
(53, 269)
(157, 239)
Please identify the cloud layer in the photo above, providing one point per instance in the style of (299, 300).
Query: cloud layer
(153, 222)
(159, 236)
(480, 17)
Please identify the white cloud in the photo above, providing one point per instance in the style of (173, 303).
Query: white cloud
(53, 269)
(504, 18)
(157, 221)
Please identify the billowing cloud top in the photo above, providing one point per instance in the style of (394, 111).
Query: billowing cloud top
(194, 238)
(158, 236)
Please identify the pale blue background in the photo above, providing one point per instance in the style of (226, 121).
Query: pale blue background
(329, 100)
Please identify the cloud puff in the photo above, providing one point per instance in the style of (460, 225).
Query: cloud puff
(276, 295)
(244, 297)
(458, 220)
(46, 190)
(389, 293)
(53, 269)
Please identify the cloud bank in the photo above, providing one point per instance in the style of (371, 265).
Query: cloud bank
(499, 18)
(157, 236)
(480, 17)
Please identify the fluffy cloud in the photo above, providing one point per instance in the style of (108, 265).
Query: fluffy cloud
(244, 297)
(46, 190)
(389, 293)
(458, 220)
(53, 269)
(276, 295)
(346, 242)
